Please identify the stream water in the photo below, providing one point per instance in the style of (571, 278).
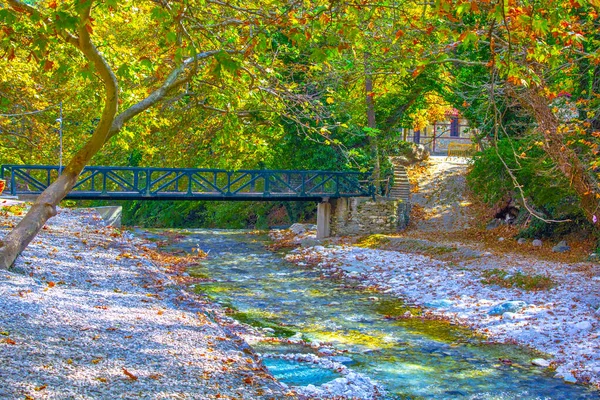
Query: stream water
(412, 358)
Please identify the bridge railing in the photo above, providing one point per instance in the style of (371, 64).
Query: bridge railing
(187, 183)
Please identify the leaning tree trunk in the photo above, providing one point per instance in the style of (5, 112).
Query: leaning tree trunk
(371, 121)
(45, 206)
(565, 158)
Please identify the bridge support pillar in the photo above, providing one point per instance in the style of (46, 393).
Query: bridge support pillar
(323, 219)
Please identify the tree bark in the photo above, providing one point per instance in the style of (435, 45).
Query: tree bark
(44, 207)
(565, 158)
(110, 124)
(371, 121)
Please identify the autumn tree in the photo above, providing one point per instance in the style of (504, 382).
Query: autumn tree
(540, 57)
(132, 58)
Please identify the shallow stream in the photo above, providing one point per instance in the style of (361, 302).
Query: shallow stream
(412, 358)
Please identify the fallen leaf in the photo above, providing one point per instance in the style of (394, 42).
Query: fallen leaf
(9, 341)
(40, 388)
(130, 375)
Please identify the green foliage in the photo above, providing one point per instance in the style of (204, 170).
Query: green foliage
(545, 189)
(261, 320)
(519, 280)
(204, 214)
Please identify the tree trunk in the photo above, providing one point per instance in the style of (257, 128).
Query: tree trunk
(44, 207)
(565, 158)
(371, 121)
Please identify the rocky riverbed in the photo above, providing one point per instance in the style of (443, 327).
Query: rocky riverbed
(561, 321)
(85, 315)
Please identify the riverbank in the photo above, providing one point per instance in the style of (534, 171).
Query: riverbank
(86, 315)
(561, 320)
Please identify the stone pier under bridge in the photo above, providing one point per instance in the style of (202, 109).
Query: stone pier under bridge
(361, 216)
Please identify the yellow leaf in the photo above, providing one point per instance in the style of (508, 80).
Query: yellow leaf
(330, 100)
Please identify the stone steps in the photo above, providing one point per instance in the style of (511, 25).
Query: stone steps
(401, 188)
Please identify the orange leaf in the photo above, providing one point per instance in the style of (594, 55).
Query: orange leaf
(130, 375)
(9, 341)
(51, 284)
(48, 65)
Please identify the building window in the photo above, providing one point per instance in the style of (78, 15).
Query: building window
(454, 128)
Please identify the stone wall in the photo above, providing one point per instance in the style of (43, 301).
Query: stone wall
(365, 216)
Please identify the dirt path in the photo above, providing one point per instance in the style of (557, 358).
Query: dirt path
(438, 195)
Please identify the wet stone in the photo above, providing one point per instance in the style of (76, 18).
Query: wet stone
(561, 247)
(507, 306)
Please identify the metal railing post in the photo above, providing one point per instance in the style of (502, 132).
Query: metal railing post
(228, 183)
(13, 184)
(267, 178)
(148, 181)
(103, 182)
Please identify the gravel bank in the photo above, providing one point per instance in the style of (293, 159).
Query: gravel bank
(562, 321)
(84, 316)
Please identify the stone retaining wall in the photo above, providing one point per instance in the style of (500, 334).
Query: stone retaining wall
(365, 216)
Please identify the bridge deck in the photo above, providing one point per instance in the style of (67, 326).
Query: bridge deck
(133, 183)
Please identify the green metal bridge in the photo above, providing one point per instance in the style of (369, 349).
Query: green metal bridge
(135, 183)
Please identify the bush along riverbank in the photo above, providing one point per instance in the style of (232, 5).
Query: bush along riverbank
(86, 315)
(559, 319)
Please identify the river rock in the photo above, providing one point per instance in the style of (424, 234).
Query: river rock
(583, 325)
(522, 241)
(442, 303)
(341, 359)
(561, 247)
(507, 306)
(569, 378)
(509, 315)
(297, 228)
(268, 330)
(540, 362)
(493, 224)
(537, 243)
(326, 351)
(309, 241)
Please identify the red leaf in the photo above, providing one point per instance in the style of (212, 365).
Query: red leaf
(130, 375)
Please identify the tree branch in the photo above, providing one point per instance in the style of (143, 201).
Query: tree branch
(171, 82)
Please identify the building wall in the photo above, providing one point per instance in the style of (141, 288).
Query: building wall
(441, 132)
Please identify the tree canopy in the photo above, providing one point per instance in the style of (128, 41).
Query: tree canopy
(296, 84)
